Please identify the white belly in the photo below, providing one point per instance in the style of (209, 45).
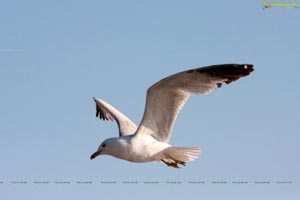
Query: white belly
(145, 149)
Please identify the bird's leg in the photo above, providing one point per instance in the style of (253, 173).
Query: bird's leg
(179, 162)
(174, 163)
(170, 164)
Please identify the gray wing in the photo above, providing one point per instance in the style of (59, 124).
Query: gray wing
(166, 97)
(105, 111)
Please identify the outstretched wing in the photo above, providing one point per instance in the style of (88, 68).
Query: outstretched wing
(107, 112)
(166, 97)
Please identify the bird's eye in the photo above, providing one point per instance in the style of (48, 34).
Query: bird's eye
(103, 145)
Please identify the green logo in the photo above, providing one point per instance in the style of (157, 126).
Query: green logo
(281, 4)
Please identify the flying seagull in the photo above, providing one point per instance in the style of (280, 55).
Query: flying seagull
(149, 141)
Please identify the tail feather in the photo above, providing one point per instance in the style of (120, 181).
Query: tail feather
(180, 155)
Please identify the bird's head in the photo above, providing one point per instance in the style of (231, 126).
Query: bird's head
(107, 147)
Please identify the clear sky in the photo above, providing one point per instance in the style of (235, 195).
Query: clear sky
(56, 55)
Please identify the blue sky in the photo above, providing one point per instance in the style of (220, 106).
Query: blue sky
(56, 55)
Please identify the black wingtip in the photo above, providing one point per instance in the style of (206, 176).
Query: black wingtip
(248, 67)
(231, 72)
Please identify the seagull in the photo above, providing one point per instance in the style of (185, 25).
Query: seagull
(149, 141)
